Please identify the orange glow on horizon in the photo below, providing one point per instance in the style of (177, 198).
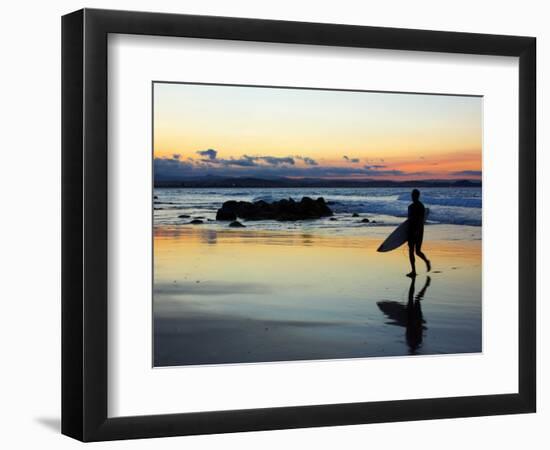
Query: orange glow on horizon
(423, 136)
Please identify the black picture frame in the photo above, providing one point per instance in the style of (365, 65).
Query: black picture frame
(84, 224)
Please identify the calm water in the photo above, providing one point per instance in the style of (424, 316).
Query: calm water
(313, 290)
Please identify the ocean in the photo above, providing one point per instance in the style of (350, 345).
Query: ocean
(384, 206)
(316, 289)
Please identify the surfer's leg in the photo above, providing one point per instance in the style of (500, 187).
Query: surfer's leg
(421, 255)
(412, 260)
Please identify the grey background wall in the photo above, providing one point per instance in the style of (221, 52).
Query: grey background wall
(30, 225)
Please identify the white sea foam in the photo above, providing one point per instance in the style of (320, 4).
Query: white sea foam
(387, 206)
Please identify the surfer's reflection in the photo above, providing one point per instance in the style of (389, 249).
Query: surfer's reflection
(408, 316)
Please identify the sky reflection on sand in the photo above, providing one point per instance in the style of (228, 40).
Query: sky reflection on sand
(230, 296)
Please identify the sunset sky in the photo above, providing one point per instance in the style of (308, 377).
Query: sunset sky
(269, 132)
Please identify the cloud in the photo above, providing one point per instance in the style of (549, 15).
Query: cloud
(421, 173)
(375, 166)
(176, 168)
(351, 160)
(310, 161)
(171, 168)
(245, 161)
(467, 173)
(250, 161)
(307, 160)
(374, 160)
(352, 171)
(276, 161)
(210, 153)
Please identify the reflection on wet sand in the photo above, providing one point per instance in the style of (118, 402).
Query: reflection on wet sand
(409, 315)
(231, 296)
(202, 235)
(211, 236)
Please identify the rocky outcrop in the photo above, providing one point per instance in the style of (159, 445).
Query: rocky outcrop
(225, 214)
(283, 210)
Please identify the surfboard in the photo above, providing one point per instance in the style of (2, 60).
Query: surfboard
(398, 236)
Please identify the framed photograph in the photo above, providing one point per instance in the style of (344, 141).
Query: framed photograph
(272, 224)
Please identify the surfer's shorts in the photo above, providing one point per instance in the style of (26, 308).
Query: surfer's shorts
(415, 239)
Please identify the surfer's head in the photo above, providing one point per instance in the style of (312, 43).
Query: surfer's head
(415, 194)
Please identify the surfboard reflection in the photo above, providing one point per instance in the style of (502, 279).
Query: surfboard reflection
(408, 316)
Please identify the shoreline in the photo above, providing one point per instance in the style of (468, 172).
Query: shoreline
(433, 232)
(382, 206)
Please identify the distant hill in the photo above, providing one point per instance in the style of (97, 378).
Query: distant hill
(248, 182)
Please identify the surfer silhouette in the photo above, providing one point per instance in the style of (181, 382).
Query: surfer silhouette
(416, 216)
(409, 316)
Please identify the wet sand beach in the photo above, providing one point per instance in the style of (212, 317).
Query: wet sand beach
(241, 295)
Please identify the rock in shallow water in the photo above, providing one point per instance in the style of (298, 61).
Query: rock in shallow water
(236, 224)
(225, 214)
(283, 210)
